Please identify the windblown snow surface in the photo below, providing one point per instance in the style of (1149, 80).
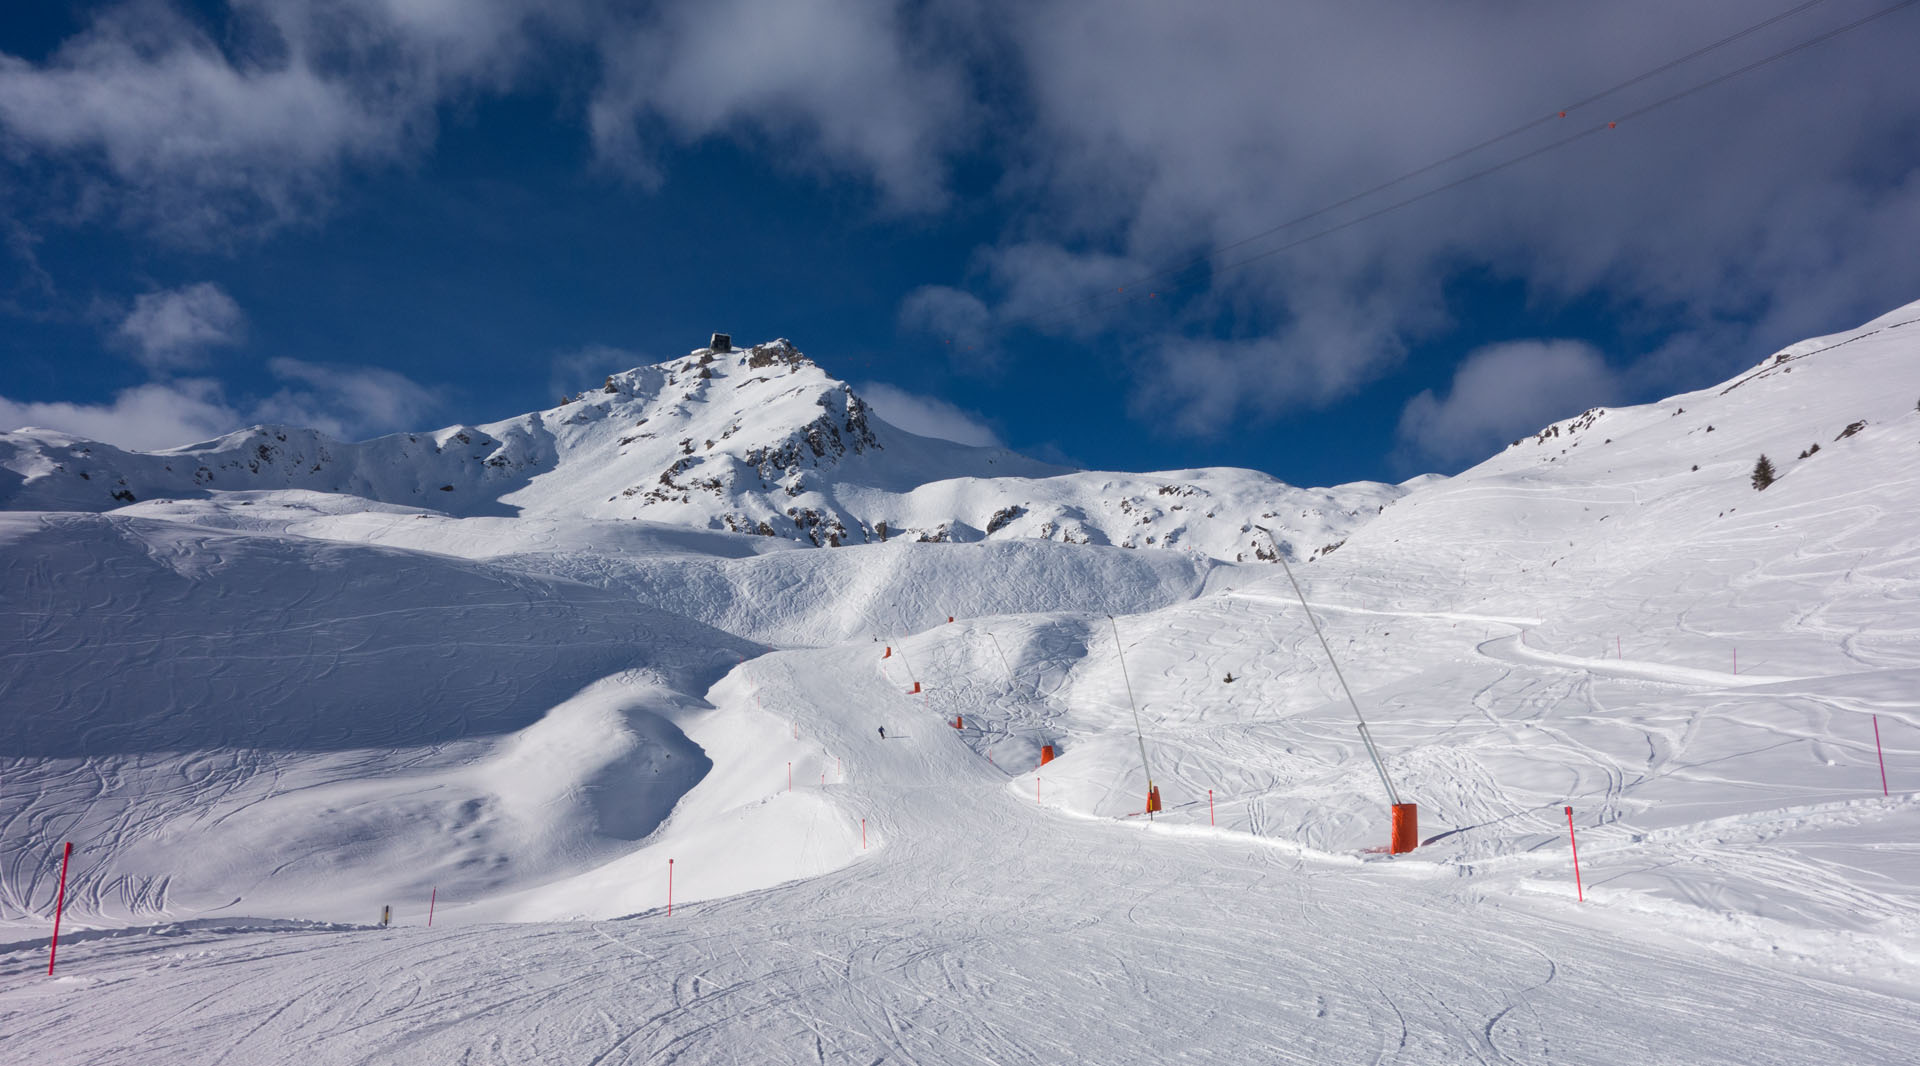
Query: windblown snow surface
(263, 712)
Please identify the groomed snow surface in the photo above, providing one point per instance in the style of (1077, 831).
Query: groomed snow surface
(263, 715)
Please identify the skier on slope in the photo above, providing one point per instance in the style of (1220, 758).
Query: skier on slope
(883, 732)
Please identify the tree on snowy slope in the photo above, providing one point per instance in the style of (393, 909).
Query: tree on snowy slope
(1762, 472)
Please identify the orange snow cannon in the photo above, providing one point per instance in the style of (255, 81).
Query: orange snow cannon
(1046, 754)
(958, 723)
(889, 653)
(1406, 828)
(916, 689)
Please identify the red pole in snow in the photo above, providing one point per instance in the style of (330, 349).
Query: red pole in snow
(1210, 807)
(431, 900)
(1576, 857)
(669, 888)
(863, 834)
(1617, 652)
(1881, 754)
(60, 904)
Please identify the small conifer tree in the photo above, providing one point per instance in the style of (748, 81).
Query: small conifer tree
(1762, 473)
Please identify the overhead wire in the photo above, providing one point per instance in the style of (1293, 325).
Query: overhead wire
(1083, 309)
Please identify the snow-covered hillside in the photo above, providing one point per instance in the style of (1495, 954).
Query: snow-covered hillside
(532, 703)
(756, 441)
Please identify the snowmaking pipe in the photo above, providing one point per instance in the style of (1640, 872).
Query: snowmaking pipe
(1366, 736)
(901, 648)
(1012, 681)
(1138, 734)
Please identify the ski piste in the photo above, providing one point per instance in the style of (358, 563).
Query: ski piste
(263, 713)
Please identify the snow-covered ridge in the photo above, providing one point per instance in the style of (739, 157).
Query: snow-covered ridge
(251, 710)
(756, 441)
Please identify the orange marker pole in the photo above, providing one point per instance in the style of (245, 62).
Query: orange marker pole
(60, 904)
(1582, 892)
(1881, 754)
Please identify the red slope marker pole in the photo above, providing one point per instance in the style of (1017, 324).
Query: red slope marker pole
(431, 900)
(1210, 807)
(1881, 754)
(1576, 857)
(669, 888)
(60, 904)
(863, 834)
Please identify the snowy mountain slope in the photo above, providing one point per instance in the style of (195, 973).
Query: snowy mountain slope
(1640, 532)
(757, 441)
(979, 927)
(276, 724)
(755, 587)
(1700, 668)
(1547, 630)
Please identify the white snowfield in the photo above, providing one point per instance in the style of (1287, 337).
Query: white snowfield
(262, 712)
(756, 440)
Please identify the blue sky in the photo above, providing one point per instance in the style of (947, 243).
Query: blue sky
(369, 215)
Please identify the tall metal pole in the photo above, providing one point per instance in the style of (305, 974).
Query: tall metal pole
(1004, 665)
(903, 659)
(1365, 735)
(1138, 733)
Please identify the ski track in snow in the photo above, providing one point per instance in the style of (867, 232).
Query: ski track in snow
(262, 716)
(982, 928)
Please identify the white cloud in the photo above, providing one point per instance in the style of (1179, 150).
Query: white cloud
(200, 134)
(1501, 392)
(146, 418)
(1157, 134)
(960, 320)
(196, 138)
(1202, 386)
(927, 416)
(174, 327)
(832, 85)
(349, 403)
(1056, 290)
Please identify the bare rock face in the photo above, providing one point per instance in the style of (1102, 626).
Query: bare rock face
(779, 351)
